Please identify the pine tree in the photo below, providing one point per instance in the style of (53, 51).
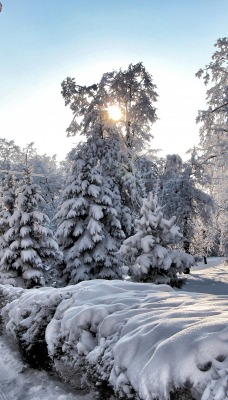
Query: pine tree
(7, 202)
(114, 168)
(29, 241)
(150, 252)
(89, 230)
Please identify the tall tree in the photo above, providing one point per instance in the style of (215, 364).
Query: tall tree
(134, 93)
(214, 132)
(89, 230)
(132, 90)
(215, 119)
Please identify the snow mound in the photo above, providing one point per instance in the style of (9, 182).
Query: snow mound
(143, 339)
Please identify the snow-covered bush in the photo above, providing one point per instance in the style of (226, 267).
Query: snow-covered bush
(29, 243)
(27, 317)
(145, 341)
(9, 293)
(148, 252)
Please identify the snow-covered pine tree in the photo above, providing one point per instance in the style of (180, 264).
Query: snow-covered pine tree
(150, 252)
(109, 156)
(89, 230)
(30, 245)
(7, 201)
(131, 185)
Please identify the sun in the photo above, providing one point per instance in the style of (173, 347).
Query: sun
(114, 113)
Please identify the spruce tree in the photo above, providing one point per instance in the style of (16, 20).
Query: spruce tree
(7, 202)
(30, 246)
(89, 230)
(150, 252)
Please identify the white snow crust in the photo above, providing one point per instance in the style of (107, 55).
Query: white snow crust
(143, 338)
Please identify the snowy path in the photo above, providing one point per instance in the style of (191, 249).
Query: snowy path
(3, 395)
(4, 382)
(211, 278)
(18, 382)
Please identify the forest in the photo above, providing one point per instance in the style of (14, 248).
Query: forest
(80, 216)
(113, 211)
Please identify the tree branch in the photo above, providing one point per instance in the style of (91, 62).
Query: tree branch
(226, 104)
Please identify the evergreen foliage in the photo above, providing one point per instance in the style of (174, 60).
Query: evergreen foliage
(29, 243)
(7, 202)
(89, 229)
(150, 252)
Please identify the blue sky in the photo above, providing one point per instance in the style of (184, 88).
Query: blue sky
(42, 42)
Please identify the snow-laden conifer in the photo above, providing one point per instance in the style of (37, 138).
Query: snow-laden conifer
(7, 202)
(150, 251)
(115, 169)
(30, 245)
(89, 229)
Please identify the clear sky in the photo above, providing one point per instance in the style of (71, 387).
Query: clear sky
(44, 41)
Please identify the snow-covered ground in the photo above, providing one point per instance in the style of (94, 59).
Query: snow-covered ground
(20, 382)
(140, 337)
(209, 278)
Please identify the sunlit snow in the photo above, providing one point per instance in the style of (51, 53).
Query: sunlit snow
(143, 338)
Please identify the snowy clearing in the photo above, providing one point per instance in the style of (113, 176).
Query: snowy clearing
(143, 338)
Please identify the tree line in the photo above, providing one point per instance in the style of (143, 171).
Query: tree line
(112, 202)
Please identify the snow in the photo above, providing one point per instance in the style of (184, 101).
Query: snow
(140, 337)
(209, 278)
(23, 383)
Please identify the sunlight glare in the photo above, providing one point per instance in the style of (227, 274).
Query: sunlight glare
(114, 112)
